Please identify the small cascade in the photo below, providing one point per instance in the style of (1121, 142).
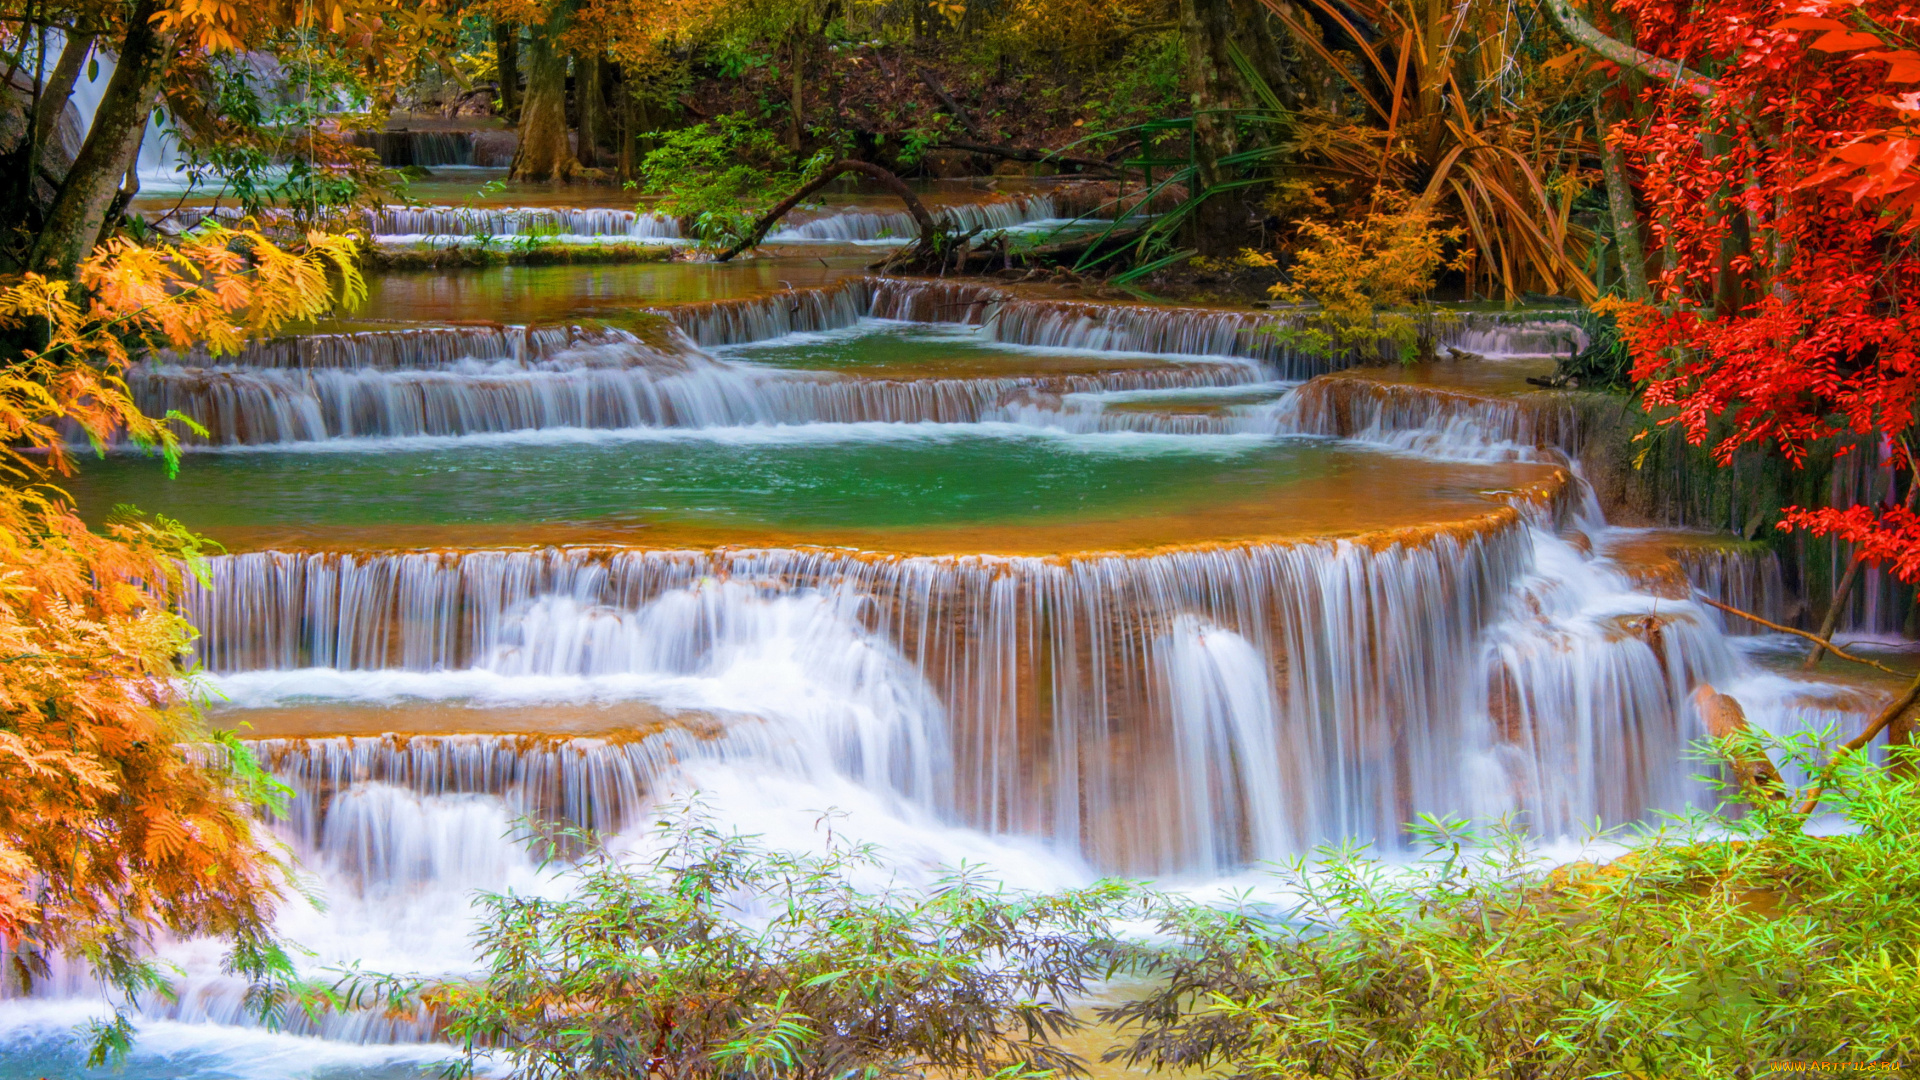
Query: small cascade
(1071, 325)
(413, 222)
(1498, 335)
(590, 783)
(833, 307)
(1587, 693)
(1743, 577)
(1429, 421)
(1067, 324)
(427, 149)
(857, 226)
(600, 381)
(421, 348)
(1232, 776)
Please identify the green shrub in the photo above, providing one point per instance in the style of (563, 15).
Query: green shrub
(1718, 946)
(714, 174)
(719, 958)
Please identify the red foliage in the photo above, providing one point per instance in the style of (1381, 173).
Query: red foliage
(1784, 205)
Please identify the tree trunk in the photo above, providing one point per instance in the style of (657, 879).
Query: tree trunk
(123, 198)
(1836, 610)
(544, 153)
(1217, 226)
(80, 210)
(795, 54)
(506, 51)
(592, 109)
(59, 85)
(1626, 222)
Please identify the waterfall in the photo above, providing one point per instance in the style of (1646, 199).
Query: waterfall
(1061, 687)
(1177, 712)
(1737, 577)
(1521, 334)
(405, 223)
(618, 384)
(423, 348)
(160, 161)
(1428, 421)
(1071, 325)
(423, 148)
(1229, 765)
(856, 226)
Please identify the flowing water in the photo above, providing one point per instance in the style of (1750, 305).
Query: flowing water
(1062, 587)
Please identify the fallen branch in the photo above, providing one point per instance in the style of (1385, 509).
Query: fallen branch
(1021, 153)
(1578, 30)
(1894, 711)
(1822, 642)
(928, 227)
(953, 106)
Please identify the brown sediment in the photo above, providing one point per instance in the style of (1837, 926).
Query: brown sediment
(616, 721)
(561, 293)
(1504, 377)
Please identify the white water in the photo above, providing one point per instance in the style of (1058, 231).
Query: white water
(484, 382)
(864, 227)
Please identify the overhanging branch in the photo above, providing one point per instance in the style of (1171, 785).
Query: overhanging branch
(1578, 30)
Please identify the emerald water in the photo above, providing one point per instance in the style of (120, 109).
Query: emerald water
(864, 482)
(908, 350)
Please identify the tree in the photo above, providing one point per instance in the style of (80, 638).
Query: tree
(111, 830)
(1778, 163)
(180, 54)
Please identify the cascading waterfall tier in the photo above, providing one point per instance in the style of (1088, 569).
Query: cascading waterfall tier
(1430, 421)
(414, 348)
(428, 223)
(613, 382)
(598, 784)
(1114, 703)
(452, 381)
(465, 221)
(1013, 320)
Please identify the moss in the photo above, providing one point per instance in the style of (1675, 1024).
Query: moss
(1648, 474)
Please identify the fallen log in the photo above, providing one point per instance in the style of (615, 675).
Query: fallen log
(1753, 770)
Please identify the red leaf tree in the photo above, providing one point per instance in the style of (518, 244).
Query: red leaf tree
(1777, 159)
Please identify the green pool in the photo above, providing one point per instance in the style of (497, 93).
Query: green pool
(990, 488)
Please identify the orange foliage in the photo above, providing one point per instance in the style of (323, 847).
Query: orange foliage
(111, 830)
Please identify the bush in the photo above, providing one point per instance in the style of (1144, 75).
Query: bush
(1719, 945)
(717, 957)
(714, 173)
(1370, 277)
